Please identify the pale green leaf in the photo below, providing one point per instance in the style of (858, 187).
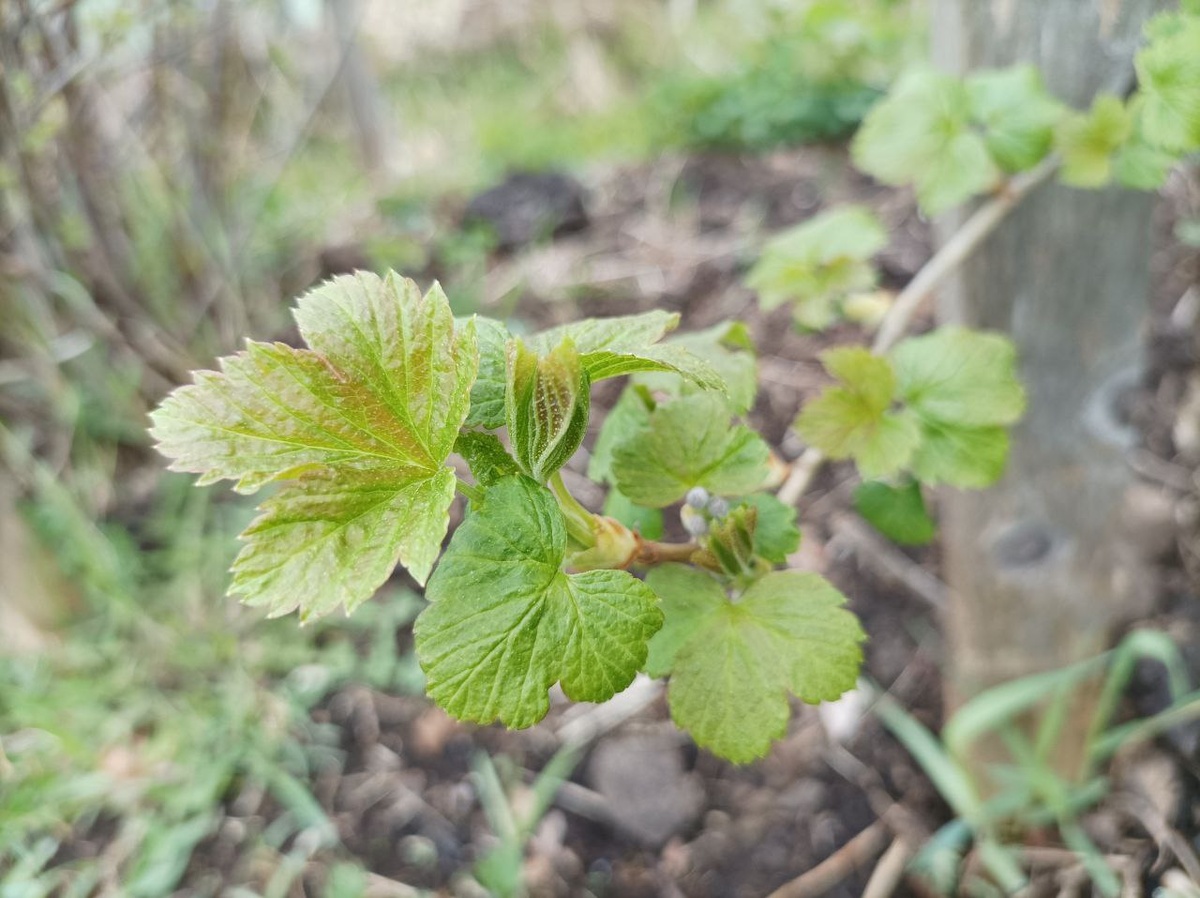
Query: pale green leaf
(733, 664)
(959, 376)
(1089, 140)
(819, 263)
(689, 442)
(898, 512)
(610, 347)
(505, 623)
(729, 350)
(1139, 164)
(966, 457)
(963, 387)
(360, 425)
(1168, 72)
(921, 134)
(1017, 114)
(688, 598)
(855, 420)
(624, 420)
(330, 540)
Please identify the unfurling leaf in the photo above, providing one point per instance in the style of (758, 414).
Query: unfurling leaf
(505, 623)
(358, 426)
(818, 264)
(855, 420)
(776, 535)
(686, 443)
(610, 347)
(733, 664)
(546, 404)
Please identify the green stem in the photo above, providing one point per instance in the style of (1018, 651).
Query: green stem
(472, 491)
(579, 520)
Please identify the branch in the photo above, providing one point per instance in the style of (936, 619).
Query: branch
(933, 273)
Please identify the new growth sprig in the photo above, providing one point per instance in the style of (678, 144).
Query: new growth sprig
(358, 432)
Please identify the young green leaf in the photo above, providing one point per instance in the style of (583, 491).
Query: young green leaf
(921, 134)
(686, 443)
(505, 623)
(360, 425)
(487, 393)
(855, 420)
(729, 349)
(546, 405)
(1139, 164)
(733, 664)
(898, 512)
(971, 458)
(962, 376)
(624, 420)
(776, 535)
(486, 455)
(963, 387)
(818, 264)
(1168, 72)
(1089, 140)
(610, 347)
(1017, 113)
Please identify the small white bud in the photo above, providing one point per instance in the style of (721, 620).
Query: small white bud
(697, 497)
(718, 507)
(693, 521)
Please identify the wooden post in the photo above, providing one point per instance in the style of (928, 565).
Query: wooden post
(1039, 566)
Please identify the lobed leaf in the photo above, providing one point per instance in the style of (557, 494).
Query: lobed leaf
(733, 664)
(686, 443)
(819, 263)
(855, 420)
(1088, 141)
(962, 385)
(505, 623)
(921, 134)
(359, 427)
(1017, 114)
(727, 348)
(960, 376)
(1168, 71)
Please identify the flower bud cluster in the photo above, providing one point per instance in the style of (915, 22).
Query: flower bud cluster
(700, 509)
